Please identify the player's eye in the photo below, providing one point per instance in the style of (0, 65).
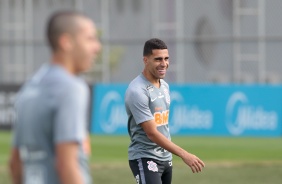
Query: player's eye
(160, 59)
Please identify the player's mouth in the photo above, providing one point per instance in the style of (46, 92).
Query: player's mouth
(161, 71)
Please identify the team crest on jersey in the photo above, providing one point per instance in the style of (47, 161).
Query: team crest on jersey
(167, 97)
(152, 166)
(150, 88)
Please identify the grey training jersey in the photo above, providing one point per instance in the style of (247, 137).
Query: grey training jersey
(51, 108)
(145, 102)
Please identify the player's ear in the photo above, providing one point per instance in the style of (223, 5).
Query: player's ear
(145, 60)
(65, 42)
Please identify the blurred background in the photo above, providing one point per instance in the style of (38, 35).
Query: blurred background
(218, 41)
(224, 75)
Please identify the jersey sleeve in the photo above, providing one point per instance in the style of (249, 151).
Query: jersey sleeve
(138, 104)
(70, 124)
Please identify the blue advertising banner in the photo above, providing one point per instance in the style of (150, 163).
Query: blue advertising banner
(108, 111)
(218, 110)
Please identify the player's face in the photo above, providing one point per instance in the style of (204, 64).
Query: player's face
(157, 63)
(86, 46)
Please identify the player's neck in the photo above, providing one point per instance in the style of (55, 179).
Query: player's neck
(65, 62)
(152, 79)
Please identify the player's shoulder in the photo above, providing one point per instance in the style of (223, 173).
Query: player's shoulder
(74, 82)
(137, 85)
(74, 86)
(60, 77)
(57, 81)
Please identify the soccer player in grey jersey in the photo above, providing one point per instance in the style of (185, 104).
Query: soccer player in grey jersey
(51, 144)
(147, 104)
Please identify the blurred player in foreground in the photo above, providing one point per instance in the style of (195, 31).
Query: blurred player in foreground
(50, 143)
(147, 104)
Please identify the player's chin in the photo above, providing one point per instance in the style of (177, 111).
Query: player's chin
(86, 67)
(161, 76)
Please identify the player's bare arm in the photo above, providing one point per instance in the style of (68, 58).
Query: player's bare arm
(67, 163)
(16, 166)
(154, 135)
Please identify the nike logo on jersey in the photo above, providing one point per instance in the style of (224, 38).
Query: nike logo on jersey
(153, 99)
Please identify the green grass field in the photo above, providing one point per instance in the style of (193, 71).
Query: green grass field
(228, 160)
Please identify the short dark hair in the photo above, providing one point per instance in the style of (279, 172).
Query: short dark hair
(152, 44)
(61, 22)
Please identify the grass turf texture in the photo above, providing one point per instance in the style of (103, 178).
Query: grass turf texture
(228, 160)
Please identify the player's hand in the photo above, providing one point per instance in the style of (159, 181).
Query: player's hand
(86, 145)
(193, 162)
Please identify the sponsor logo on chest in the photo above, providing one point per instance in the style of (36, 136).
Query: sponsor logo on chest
(161, 118)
